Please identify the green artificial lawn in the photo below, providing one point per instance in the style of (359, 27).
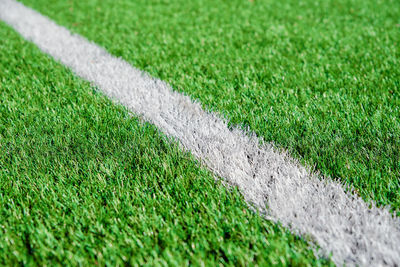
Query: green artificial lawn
(82, 182)
(319, 78)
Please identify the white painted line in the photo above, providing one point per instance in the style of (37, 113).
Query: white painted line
(340, 223)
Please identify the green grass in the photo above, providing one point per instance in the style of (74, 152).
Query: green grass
(319, 78)
(82, 182)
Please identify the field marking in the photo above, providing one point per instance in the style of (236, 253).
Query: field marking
(340, 223)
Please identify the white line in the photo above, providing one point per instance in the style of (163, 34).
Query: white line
(339, 222)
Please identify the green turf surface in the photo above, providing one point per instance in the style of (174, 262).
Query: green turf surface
(319, 78)
(84, 182)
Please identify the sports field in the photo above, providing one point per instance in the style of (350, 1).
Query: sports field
(85, 181)
(319, 78)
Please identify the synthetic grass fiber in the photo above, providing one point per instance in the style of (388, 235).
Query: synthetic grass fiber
(266, 178)
(82, 182)
(319, 78)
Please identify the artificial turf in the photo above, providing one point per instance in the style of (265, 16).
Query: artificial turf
(319, 78)
(83, 182)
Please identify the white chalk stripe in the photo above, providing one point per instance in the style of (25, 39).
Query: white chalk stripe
(341, 223)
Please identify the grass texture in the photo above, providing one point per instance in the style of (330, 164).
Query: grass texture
(82, 182)
(319, 78)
